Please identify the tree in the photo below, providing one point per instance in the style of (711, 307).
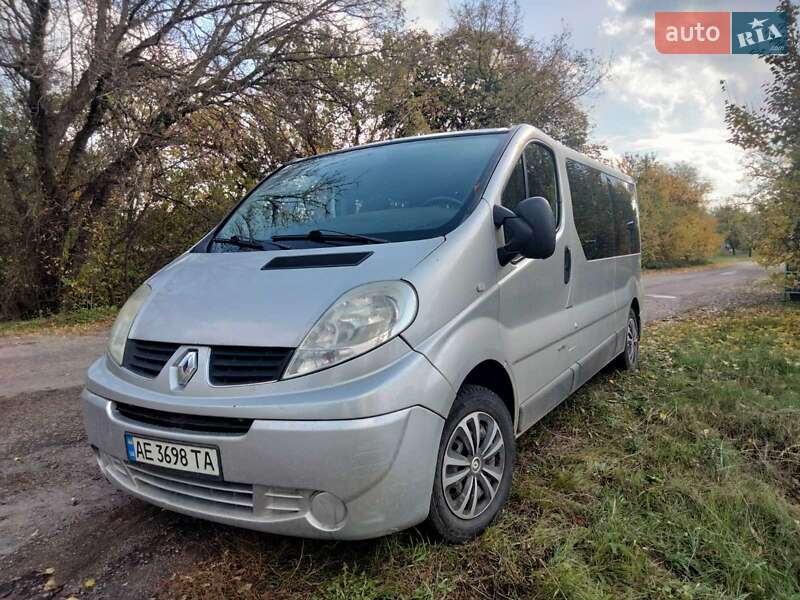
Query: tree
(484, 73)
(737, 225)
(771, 134)
(151, 119)
(103, 87)
(676, 227)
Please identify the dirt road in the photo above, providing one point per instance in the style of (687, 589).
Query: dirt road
(57, 512)
(47, 362)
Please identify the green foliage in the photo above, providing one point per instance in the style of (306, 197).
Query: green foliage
(772, 137)
(484, 73)
(676, 227)
(143, 230)
(680, 481)
(738, 226)
(18, 197)
(72, 321)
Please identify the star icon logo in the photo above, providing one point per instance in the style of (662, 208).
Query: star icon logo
(756, 23)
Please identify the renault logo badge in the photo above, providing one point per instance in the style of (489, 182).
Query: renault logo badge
(187, 366)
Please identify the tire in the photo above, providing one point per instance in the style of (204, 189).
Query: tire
(479, 482)
(628, 360)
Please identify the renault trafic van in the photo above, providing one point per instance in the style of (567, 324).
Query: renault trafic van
(356, 347)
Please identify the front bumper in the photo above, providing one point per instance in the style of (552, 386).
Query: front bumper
(343, 479)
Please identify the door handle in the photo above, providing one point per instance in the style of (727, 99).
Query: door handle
(567, 265)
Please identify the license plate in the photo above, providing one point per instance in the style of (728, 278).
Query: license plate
(183, 457)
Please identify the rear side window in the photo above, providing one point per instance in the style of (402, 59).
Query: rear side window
(625, 217)
(540, 169)
(591, 206)
(604, 208)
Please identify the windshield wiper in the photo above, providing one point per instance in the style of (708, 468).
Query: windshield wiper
(235, 240)
(330, 236)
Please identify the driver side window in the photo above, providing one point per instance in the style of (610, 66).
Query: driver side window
(534, 175)
(540, 171)
(515, 192)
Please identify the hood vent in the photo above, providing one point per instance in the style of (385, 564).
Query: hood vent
(317, 261)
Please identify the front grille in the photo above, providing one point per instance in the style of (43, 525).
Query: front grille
(231, 365)
(189, 491)
(186, 489)
(147, 358)
(170, 420)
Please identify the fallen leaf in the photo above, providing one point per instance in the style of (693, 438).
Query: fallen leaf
(89, 583)
(50, 584)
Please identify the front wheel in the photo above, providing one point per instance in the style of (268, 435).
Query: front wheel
(474, 465)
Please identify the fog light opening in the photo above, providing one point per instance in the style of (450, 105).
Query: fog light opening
(327, 511)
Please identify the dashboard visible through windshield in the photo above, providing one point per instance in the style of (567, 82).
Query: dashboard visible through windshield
(393, 192)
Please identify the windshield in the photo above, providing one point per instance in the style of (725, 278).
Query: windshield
(394, 192)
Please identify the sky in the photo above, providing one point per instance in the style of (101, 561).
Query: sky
(670, 105)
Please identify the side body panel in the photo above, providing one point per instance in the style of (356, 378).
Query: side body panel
(535, 313)
(457, 325)
(628, 287)
(549, 336)
(595, 314)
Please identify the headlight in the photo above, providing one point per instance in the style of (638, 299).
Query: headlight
(360, 320)
(122, 326)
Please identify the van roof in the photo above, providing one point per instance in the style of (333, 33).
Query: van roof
(410, 138)
(566, 150)
(578, 156)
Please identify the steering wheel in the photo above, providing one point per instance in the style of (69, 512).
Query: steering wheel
(445, 201)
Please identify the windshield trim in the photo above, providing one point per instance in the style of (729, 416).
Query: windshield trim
(205, 244)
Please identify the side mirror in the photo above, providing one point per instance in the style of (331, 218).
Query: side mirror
(532, 227)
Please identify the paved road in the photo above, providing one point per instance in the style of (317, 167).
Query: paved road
(672, 293)
(56, 510)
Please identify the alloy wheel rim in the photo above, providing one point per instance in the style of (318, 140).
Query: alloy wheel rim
(632, 341)
(473, 465)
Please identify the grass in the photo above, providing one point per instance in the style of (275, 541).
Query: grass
(66, 322)
(681, 481)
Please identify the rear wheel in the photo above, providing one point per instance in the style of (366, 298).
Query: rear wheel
(629, 359)
(474, 465)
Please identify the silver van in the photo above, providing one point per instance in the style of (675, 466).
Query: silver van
(356, 347)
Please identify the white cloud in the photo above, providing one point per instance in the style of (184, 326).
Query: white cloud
(614, 26)
(617, 5)
(431, 15)
(706, 148)
(668, 95)
(673, 105)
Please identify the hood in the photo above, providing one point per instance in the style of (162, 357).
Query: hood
(227, 299)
